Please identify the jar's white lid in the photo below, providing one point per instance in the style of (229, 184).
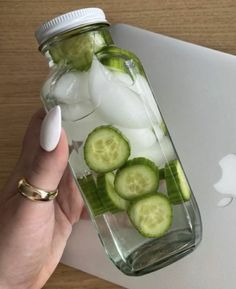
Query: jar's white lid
(69, 21)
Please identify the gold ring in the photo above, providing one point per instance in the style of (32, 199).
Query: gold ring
(35, 194)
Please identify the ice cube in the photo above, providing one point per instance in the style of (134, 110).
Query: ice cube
(76, 111)
(142, 87)
(122, 78)
(160, 153)
(79, 130)
(71, 87)
(48, 84)
(118, 104)
(141, 138)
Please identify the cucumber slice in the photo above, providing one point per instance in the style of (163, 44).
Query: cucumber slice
(89, 189)
(162, 173)
(108, 195)
(120, 60)
(136, 178)
(164, 128)
(151, 215)
(57, 54)
(115, 63)
(176, 182)
(77, 51)
(106, 149)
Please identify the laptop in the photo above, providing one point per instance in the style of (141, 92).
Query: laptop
(195, 88)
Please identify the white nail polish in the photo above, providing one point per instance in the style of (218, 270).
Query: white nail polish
(51, 129)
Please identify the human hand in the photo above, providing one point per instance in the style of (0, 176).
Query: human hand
(33, 234)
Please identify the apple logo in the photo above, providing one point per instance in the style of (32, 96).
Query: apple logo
(227, 183)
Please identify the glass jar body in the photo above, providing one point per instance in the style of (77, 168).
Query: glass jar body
(103, 89)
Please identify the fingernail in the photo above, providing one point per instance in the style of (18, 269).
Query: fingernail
(51, 129)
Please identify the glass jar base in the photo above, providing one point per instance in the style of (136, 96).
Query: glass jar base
(158, 253)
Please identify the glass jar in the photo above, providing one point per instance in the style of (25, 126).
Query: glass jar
(121, 153)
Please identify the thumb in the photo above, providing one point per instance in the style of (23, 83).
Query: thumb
(51, 157)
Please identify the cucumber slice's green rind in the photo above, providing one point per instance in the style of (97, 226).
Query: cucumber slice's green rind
(120, 60)
(77, 51)
(164, 128)
(151, 215)
(106, 149)
(137, 177)
(110, 199)
(162, 174)
(89, 189)
(57, 54)
(115, 63)
(176, 182)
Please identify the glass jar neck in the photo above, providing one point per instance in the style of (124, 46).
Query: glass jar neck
(76, 48)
